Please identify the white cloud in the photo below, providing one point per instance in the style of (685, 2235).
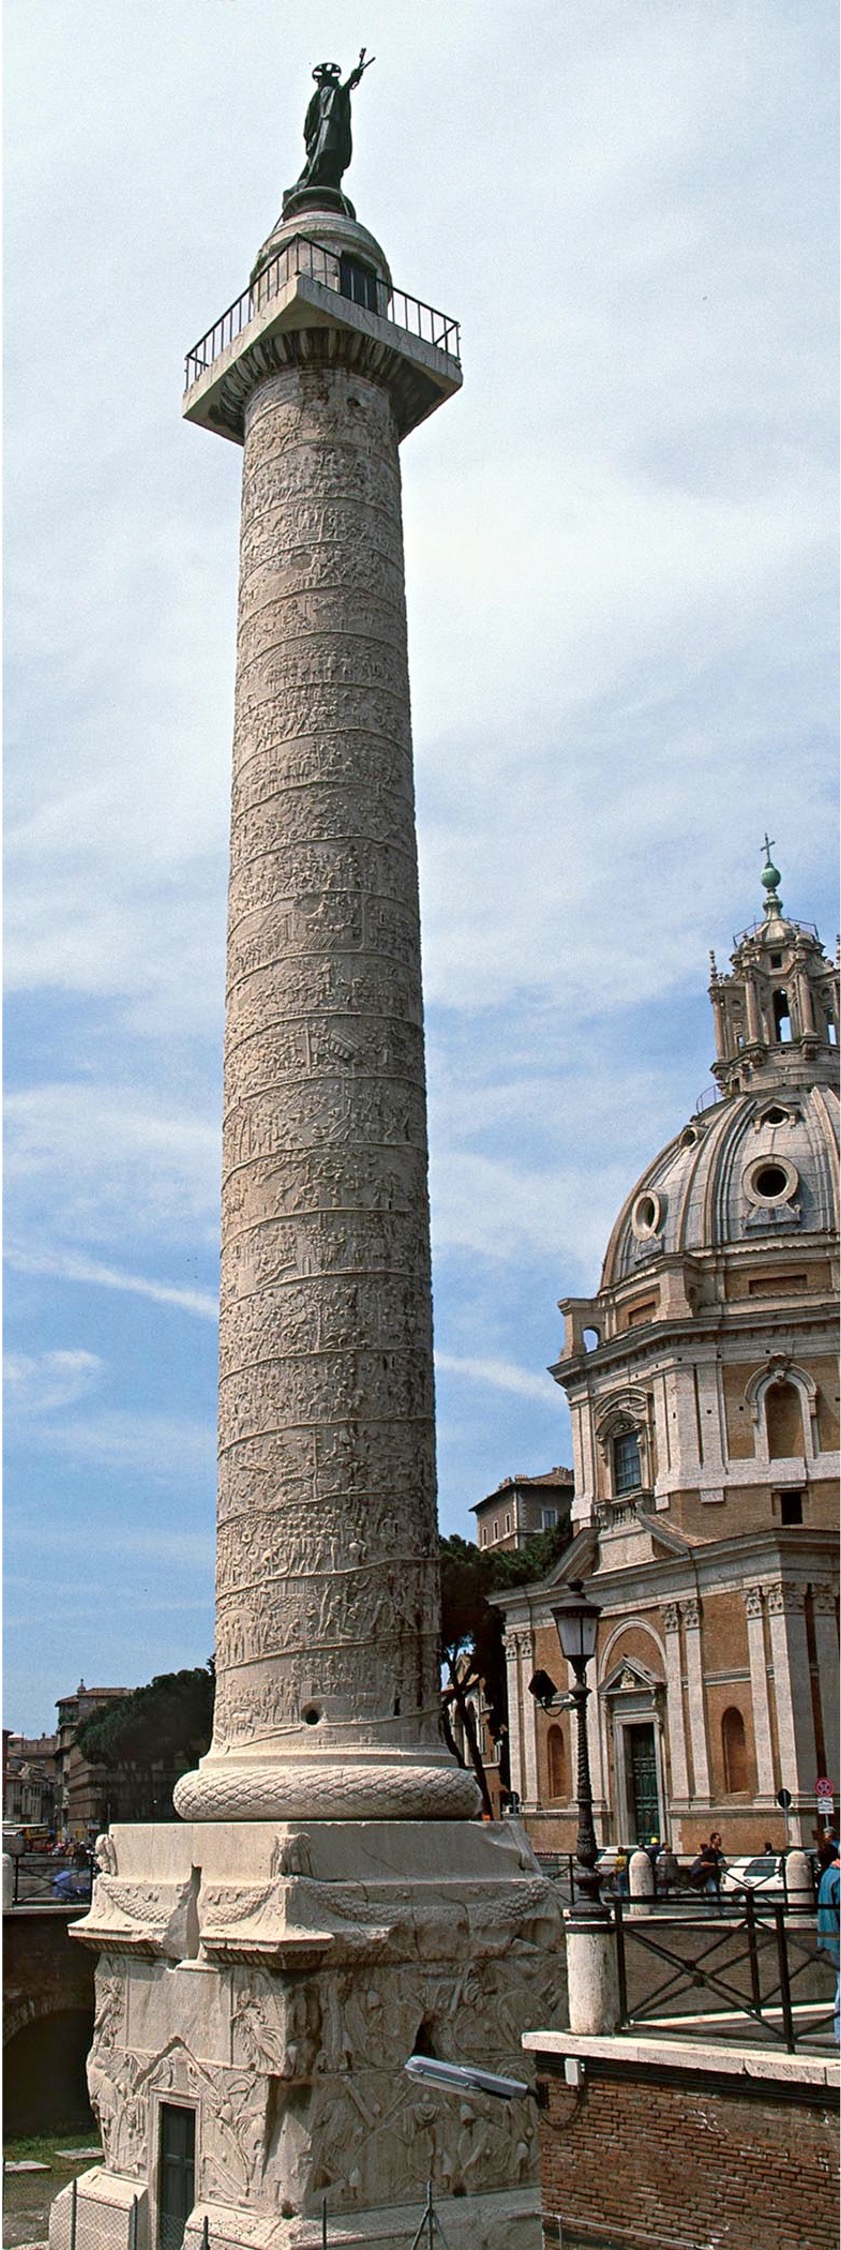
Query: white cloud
(119, 1159)
(192, 1549)
(46, 1382)
(501, 1374)
(169, 1450)
(86, 1270)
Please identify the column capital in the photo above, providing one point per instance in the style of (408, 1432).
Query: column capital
(824, 1600)
(753, 1600)
(692, 1615)
(670, 1613)
(786, 1598)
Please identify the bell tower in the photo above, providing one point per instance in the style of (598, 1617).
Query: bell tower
(776, 1014)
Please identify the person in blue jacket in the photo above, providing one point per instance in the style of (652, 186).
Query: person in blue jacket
(829, 1899)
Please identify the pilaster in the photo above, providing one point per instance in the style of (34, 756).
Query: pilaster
(757, 1660)
(697, 1702)
(511, 1645)
(674, 1703)
(790, 1662)
(824, 1614)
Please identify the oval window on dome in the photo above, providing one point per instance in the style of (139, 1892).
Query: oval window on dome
(647, 1214)
(771, 1180)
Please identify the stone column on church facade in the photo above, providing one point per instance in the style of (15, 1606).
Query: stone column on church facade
(511, 1644)
(758, 1663)
(792, 1694)
(674, 1705)
(825, 1619)
(696, 1701)
(528, 1718)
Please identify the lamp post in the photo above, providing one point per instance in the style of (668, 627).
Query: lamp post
(576, 1623)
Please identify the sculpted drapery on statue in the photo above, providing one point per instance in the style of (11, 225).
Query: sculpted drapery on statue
(327, 133)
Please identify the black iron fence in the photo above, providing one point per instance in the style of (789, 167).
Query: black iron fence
(745, 1971)
(349, 277)
(51, 1878)
(677, 1887)
(429, 2230)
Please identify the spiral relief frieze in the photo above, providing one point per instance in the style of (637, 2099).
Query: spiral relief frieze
(327, 1573)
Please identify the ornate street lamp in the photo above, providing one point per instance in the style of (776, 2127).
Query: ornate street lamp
(576, 1623)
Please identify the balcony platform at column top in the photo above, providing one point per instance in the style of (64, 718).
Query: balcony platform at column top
(311, 305)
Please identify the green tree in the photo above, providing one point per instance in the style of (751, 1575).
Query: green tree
(146, 1739)
(471, 1634)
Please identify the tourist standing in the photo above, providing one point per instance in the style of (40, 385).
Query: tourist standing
(829, 1897)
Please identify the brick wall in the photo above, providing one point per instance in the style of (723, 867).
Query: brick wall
(641, 2157)
(44, 1973)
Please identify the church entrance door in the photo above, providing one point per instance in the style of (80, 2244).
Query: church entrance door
(643, 1795)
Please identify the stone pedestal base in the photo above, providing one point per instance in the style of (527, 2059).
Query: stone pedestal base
(106, 2217)
(475, 2222)
(273, 1981)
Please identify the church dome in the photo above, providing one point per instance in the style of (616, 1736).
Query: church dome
(758, 1167)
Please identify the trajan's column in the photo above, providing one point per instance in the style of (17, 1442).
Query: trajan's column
(329, 1902)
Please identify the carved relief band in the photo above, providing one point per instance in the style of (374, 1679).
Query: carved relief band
(327, 1574)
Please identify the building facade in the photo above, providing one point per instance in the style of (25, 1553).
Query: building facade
(703, 1387)
(522, 1507)
(29, 1780)
(86, 1796)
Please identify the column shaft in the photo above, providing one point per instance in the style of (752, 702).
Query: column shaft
(674, 1705)
(759, 1693)
(695, 1696)
(327, 1562)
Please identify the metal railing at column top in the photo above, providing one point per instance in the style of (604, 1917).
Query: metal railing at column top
(348, 277)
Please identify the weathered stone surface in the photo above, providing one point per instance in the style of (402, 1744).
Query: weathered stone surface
(327, 1906)
(327, 1649)
(316, 1956)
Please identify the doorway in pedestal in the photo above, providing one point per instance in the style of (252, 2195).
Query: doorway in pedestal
(177, 2173)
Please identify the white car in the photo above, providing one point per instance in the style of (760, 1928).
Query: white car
(763, 1874)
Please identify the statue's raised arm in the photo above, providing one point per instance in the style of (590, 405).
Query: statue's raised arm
(356, 74)
(327, 134)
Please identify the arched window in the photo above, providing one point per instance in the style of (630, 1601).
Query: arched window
(784, 1421)
(782, 1018)
(734, 1752)
(557, 1762)
(627, 1472)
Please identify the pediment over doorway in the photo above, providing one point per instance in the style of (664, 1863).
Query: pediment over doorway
(629, 1677)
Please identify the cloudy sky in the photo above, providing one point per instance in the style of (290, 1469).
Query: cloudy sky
(621, 555)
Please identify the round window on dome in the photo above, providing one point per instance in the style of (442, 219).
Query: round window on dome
(771, 1180)
(647, 1215)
